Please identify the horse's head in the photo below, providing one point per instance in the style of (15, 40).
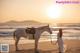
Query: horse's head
(47, 28)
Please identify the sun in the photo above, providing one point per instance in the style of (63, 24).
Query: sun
(54, 11)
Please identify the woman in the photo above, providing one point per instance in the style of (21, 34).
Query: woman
(60, 41)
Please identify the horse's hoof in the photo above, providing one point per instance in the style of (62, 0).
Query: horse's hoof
(36, 51)
(17, 50)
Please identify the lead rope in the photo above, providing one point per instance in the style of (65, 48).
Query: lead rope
(51, 39)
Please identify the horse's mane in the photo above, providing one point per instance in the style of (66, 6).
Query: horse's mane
(42, 27)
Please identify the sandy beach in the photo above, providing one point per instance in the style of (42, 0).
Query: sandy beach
(27, 46)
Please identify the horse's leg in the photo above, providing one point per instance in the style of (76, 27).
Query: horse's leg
(16, 43)
(36, 44)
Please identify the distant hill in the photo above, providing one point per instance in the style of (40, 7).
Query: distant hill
(21, 23)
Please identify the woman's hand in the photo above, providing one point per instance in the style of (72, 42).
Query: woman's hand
(56, 42)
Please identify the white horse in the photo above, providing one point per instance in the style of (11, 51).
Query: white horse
(36, 32)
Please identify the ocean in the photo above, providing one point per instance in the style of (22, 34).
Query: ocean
(67, 33)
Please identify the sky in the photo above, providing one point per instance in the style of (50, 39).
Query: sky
(37, 10)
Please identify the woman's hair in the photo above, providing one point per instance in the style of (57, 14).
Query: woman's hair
(60, 32)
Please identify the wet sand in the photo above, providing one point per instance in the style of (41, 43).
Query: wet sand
(26, 46)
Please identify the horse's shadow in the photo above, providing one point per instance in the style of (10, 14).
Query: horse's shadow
(32, 51)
